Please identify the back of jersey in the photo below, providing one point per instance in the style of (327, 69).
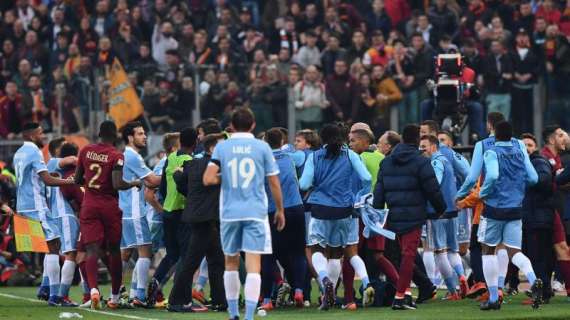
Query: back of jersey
(31, 194)
(244, 163)
(98, 161)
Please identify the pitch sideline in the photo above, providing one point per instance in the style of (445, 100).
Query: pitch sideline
(10, 296)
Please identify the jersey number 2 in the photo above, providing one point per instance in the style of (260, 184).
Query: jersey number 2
(95, 167)
(245, 168)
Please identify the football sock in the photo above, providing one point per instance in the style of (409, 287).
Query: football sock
(334, 267)
(45, 278)
(491, 273)
(442, 263)
(142, 277)
(523, 263)
(83, 274)
(67, 273)
(388, 269)
(321, 265)
(251, 291)
(52, 265)
(503, 262)
(360, 270)
(431, 270)
(116, 271)
(232, 286)
(348, 281)
(456, 263)
(202, 275)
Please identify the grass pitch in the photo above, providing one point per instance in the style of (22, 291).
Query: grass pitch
(20, 303)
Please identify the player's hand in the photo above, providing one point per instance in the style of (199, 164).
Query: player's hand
(137, 184)
(7, 210)
(279, 220)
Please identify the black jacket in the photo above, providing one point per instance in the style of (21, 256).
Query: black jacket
(406, 181)
(538, 203)
(494, 81)
(202, 202)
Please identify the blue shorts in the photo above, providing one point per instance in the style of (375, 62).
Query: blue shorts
(442, 234)
(463, 221)
(307, 222)
(69, 227)
(494, 232)
(136, 233)
(333, 233)
(251, 236)
(50, 225)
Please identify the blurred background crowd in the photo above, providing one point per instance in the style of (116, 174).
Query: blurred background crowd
(328, 60)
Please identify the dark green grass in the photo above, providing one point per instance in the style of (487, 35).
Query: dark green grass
(12, 308)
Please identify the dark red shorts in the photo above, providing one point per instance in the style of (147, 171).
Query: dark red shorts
(376, 243)
(101, 223)
(558, 233)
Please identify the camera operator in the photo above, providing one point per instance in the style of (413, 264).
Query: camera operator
(474, 108)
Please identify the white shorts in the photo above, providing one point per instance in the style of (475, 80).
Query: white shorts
(69, 227)
(136, 233)
(333, 233)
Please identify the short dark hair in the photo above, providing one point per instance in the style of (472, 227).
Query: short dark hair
(411, 134)
(212, 139)
(188, 137)
(54, 144)
(69, 149)
(503, 131)
(129, 130)
(393, 138)
(432, 125)
(549, 131)
(242, 119)
(30, 126)
(311, 137)
(432, 139)
(108, 130)
(210, 125)
(364, 134)
(416, 33)
(529, 136)
(495, 117)
(447, 133)
(274, 137)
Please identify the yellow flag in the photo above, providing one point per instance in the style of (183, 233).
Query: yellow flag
(29, 235)
(124, 104)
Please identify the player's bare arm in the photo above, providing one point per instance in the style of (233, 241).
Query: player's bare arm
(152, 180)
(119, 183)
(150, 198)
(211, 176)
(51, 181)
(275, 187)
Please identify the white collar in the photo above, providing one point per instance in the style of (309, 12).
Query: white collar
(29, 143)
(242, 135)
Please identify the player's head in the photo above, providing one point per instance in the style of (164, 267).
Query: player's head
(285, 133)
(445, 137)
(33, 132)
(388, 141)
(68, 149)
(554, 137)
(306, 139)
(530, 143)
(171, 142)
(54, 147)
(332, 135)
(360, 140)
(492, 119)
(108, 131)
(274, 137)
(428, 145)
(243, 120)
(134, 135)
(207, 127)
(359, 126)
(188, 138)
(503, 131)
(411, 134)
(429, 127)
(211, 140)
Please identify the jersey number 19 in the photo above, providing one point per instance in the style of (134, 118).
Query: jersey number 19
(244, 168)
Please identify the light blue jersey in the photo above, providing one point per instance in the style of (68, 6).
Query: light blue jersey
(132, 201)
(244, 163)
(59, 207)
(151, 214)
(29, 163)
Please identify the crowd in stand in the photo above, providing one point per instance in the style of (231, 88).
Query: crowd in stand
(331, 59)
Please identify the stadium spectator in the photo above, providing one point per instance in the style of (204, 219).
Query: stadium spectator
(342, 92)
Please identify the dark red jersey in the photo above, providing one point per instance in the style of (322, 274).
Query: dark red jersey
(98, 162)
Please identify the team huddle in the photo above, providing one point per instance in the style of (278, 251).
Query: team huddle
(287, 213)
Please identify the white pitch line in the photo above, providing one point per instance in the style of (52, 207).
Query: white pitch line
(71, 309)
